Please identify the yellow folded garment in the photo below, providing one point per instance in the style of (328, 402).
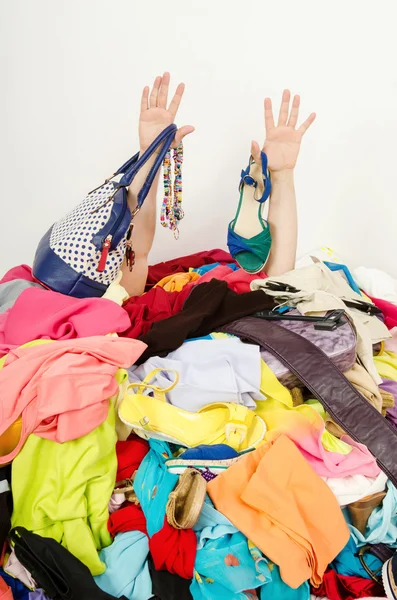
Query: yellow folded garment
(175, 283)
(296, 420)
(272, 388)
(122, 430)
(62, 491)
(279, 400)
(116, 292)
(218, 423)
(386, 365)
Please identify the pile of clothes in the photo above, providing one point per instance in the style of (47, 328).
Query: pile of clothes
(148, 450)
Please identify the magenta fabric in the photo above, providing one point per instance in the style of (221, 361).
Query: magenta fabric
(62, 389)
(389, 310)
(19, 272)
(43, 314)
(239, 280)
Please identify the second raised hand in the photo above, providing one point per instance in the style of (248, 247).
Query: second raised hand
(155, 116)
(283, 141)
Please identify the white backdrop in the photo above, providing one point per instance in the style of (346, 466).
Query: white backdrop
(71, 78)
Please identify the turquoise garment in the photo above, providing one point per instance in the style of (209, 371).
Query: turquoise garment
(278, 590)
(206, 268)
(224, 565)
(127, 570)
(347, 563)
(211, 524)
(382, 523)
(153, 483)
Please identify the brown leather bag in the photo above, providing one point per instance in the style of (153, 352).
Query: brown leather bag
(327, 383)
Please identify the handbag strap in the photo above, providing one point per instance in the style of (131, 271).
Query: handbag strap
(328, 384)
(164, 141)
(127, 165)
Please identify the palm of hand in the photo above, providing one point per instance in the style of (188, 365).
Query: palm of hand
(282, 147)
(152, 122)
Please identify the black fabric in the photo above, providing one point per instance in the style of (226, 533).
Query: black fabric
(328, 384)
(5, 506)
(209, 306)
(166, 586)
(60, 574)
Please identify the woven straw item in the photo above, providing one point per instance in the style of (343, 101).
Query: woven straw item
(186, 501)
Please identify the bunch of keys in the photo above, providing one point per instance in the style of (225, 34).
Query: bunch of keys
(129, 253)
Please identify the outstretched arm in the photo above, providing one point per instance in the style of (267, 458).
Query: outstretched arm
(154, 118)
(282, 145)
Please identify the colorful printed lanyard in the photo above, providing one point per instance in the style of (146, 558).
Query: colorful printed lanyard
(171, 210)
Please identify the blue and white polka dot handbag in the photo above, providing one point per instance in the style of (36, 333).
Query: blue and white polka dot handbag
(82, 253)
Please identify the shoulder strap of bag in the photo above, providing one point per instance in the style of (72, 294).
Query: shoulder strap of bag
(328, 384)
(127, 165)
(164, 140)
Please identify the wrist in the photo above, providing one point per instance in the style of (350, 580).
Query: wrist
(285, 175)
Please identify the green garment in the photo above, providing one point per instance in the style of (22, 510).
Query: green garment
(62, 490)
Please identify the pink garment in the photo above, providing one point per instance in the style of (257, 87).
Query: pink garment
(115, 502)
(62, 389)
(390, 345)
(20, 272)
(239, 280)
(389, 310)
(43, 314)
(17, 570)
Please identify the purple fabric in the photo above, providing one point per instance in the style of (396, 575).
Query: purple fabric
(38, 595)
(388, 385)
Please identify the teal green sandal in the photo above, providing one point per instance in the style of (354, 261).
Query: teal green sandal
(249, 239)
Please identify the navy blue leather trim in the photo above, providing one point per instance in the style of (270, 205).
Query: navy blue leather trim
(164, 139)
(127, 165)
(118, 223)
(54, 273)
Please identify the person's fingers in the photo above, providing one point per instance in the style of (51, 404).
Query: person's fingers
(293, 118)
(155, 92)
(180, 134)
(284, 108)
(305, 126)
(163, 93)
(269, 119)
(145, 99)
(256, 153)
(175, 102)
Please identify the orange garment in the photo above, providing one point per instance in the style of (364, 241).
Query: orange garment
(277, 500)
(175, 283)
(9, 439)
(5, 591)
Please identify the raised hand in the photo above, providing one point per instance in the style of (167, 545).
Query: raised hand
(155, 116)
(283, 141)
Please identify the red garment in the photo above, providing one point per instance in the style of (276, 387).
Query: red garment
(155, 305)
(174, 550)
(127, 518)
(184, 263)
(43, 314)
(389, 310)
(341, 587)
(130, 454)
(20, 272)
(239, 281)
